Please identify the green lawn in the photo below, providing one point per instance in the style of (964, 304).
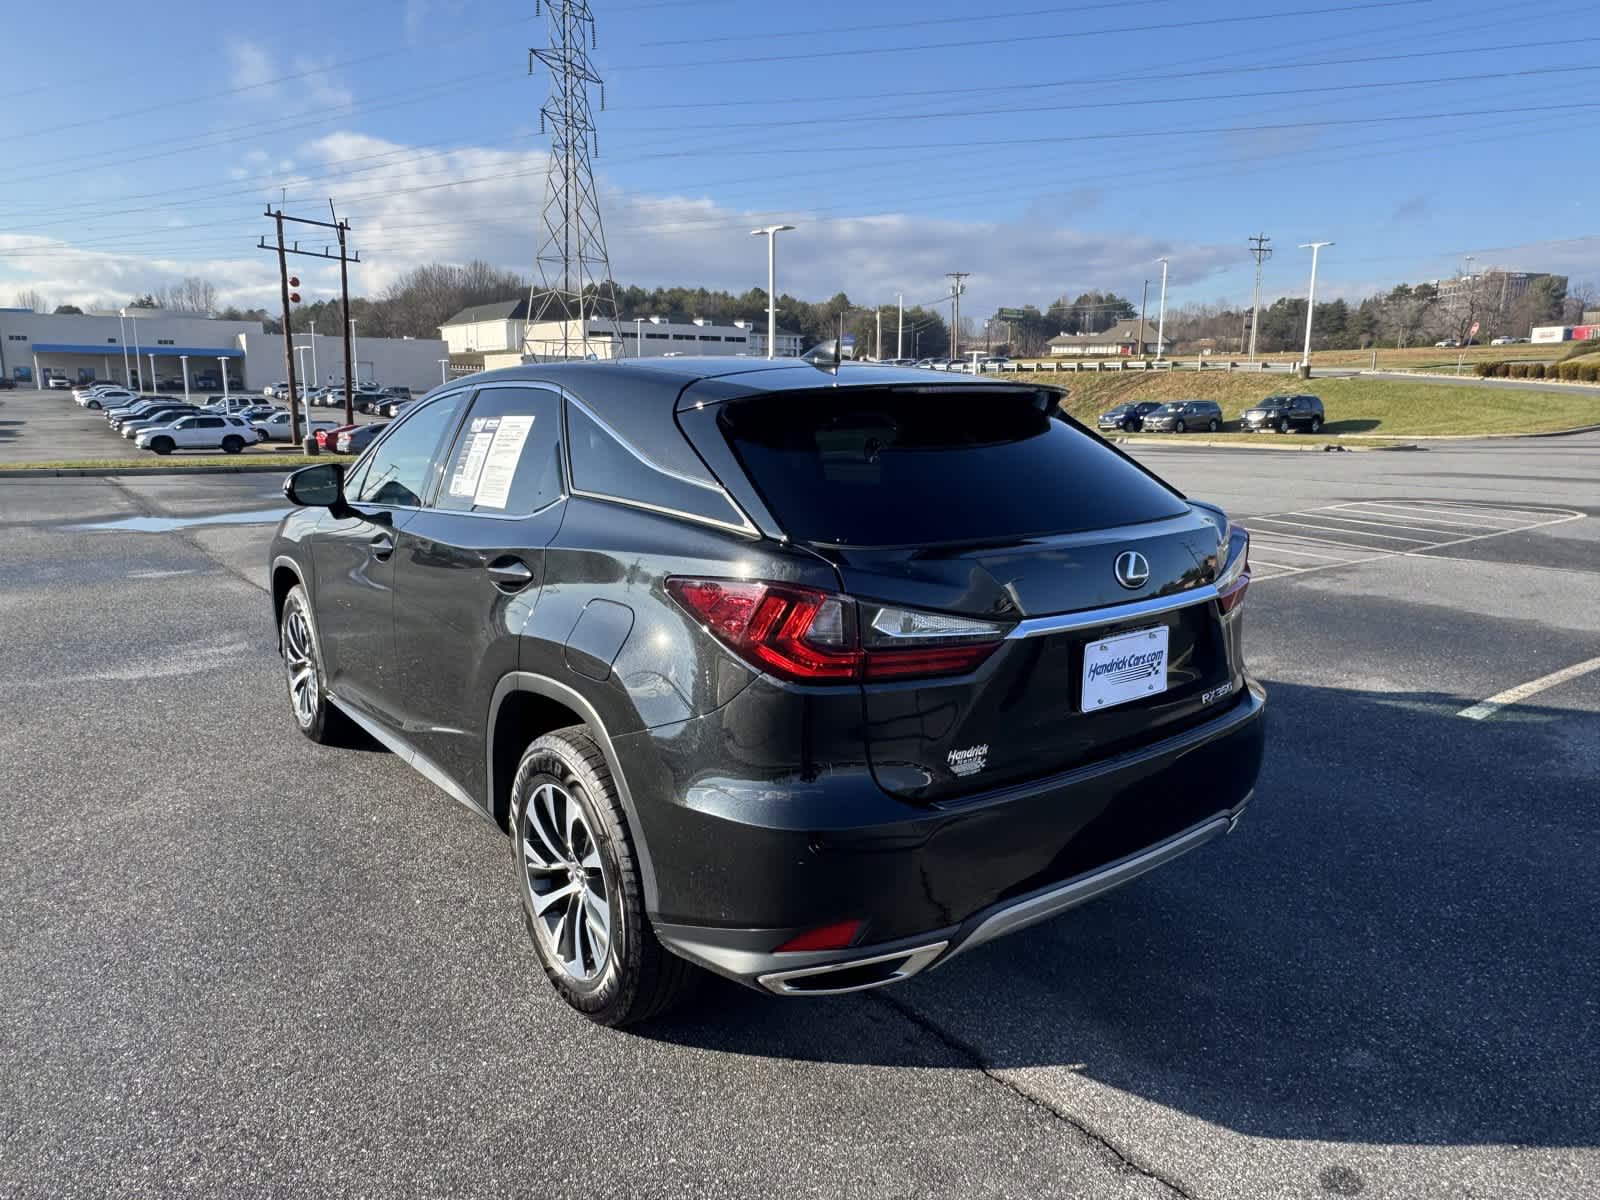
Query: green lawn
(1381, 407)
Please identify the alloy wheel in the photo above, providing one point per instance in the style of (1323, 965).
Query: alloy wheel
(299, 659)
(567, 884)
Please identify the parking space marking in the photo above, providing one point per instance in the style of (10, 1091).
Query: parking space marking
(1355, 539)
(1487, 708)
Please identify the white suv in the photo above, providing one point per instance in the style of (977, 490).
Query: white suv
(200, 432)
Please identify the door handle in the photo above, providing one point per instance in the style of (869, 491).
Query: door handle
(382, 547)
(510, 574)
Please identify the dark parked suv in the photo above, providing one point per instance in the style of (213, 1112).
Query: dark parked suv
(1181, 416)
(1284, 413)
(811, 680)
(1127, 417)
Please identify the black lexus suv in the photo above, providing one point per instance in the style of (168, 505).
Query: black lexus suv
(814, 680)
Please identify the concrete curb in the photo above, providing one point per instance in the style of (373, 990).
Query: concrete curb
(100, 472)
(1307, 448)
(1482, 437)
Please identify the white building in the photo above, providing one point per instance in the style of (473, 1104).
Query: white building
(487, 336)
(145, 347)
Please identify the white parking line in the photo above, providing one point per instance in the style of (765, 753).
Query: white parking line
(1365, 510)
(1385, 524)
(1487, 708)
(1510, 512)
(1276, 547)
(1342, 529)
(1428, 524)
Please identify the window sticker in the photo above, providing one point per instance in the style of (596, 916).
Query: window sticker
(469, 466)
(500, 464)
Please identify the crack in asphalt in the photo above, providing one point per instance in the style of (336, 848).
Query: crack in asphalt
(147, 508)
(1124, 1160)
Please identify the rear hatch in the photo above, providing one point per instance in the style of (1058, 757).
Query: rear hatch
(989, 506)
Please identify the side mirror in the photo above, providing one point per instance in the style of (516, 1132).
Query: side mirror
(321, 486)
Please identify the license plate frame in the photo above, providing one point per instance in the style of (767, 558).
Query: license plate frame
(1125, 667)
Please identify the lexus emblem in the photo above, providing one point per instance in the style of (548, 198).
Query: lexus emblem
(1132, 569)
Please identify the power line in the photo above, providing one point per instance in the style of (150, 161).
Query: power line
(1033, 38)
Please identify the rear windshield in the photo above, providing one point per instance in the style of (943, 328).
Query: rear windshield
(886, 468)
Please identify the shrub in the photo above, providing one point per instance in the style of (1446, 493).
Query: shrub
(1519, 370)
(1568, 370)
(1484, 369)
(1502, 369)
(1590, 372)
(1535, 370)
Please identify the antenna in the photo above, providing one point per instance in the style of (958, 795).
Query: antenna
(572, 276)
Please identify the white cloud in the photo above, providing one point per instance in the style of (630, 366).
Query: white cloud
(250, 65)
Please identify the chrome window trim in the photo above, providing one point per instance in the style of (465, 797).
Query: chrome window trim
(1089, 617)
(745, 525)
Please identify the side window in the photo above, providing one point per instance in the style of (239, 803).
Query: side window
(186, 423)
(507, 457)
(400, 469)
(208, 423)
(603, 465)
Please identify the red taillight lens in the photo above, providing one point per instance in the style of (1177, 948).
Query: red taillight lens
(811, 636)
(1235, 578)
(837, 936)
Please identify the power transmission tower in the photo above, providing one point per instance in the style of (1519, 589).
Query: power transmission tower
(573, 272)
(956, 288)
(1258, 247)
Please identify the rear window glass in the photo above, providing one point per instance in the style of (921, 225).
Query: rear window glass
(881, 469)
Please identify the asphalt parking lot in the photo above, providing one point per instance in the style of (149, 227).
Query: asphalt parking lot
(237, 963)
(43, 426)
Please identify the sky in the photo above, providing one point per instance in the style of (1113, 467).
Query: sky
(1047, 149)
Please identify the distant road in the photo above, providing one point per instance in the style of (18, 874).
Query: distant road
(1525, 385)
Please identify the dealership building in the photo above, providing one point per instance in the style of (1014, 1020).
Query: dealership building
(487, 336)
(146, 346)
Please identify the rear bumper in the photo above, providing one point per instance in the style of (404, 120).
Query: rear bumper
(939, 880)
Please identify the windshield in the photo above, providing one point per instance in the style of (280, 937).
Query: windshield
(874, 468)
(1274, 402)
(1170, 408)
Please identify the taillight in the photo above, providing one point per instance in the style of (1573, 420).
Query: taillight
(1235, 577)
(811, 636)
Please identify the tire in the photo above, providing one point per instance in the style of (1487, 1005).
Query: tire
(1179, 427)
(631, 976)
(302, 652)
(1127, 426)
(232, 444)
(1283, 424)
(162, 445)
(1213, 425)
(94, 404)
(1316, 424)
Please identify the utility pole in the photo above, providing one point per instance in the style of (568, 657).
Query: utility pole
(900, 332)
(343, 259)
(771, 232)
(344, 312)
(877, 350)
(1311, 301)
(1144, 299)
(956, 288)
(1261, 251)
(288, 337)
(1161, 321)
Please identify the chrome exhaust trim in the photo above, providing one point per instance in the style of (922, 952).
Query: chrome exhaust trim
(890, 968)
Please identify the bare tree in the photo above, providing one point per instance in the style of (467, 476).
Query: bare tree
(192, 295)
(31, 298)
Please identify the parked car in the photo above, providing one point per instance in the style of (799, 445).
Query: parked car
(109, 398)
(276, 391)
(710, 743)
(231, 404)
(403, 393)
(140, 405)
(7, 384)
(171, 385)
(1127, 417)
(207, 382)
(1184, 415)
(276, 426)
(357, 439)
(258, 412)
(154, 419)
(1284, 413)
(327, 439)
(199, 431)
(392, 407)
(58, 383)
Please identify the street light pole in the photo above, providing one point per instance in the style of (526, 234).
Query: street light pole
(1161, 321)
(444, 365)
(122, 324)
(314, 374)
(638, 337)
(900, 332)
(771, 232)
(184, 360)
(153, 384)
(222, 364)
(136, 366)
(1311, 298)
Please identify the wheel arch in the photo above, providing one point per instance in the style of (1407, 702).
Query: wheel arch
(285, 574)
(523, 707)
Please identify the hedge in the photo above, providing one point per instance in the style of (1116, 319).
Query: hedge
(1519, 370)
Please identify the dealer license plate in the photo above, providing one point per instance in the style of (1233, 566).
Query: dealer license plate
(1125, 667)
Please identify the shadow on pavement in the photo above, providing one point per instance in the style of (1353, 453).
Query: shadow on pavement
(1397, 945)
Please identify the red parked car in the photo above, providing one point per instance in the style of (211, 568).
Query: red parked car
(328, 439)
